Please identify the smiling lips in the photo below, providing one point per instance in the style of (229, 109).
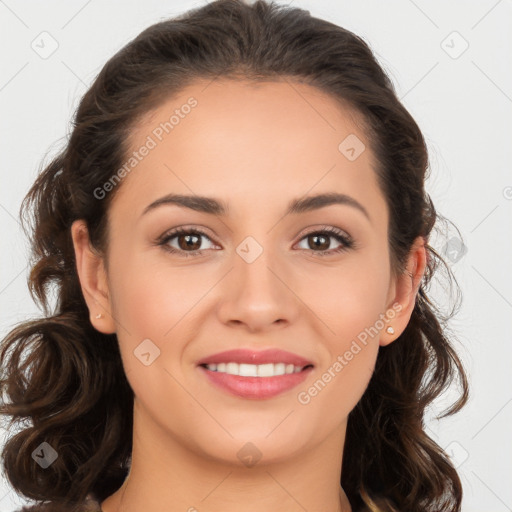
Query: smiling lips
(257, 375)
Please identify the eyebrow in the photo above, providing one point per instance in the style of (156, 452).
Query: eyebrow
(214, 206)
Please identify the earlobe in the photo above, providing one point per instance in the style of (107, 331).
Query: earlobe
(93, 279)
(407, 286)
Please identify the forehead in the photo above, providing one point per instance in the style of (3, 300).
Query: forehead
(225, 106)
(250, 142)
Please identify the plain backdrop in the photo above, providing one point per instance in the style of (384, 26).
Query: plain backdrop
(450, 64)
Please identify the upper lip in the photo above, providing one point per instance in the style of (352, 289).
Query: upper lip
(249, 356)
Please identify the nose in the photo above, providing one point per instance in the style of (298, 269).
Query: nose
(256, 293)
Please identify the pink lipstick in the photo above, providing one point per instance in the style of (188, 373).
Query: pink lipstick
(255, 374)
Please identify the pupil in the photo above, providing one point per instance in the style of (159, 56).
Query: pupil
(316, 237)
(188, 243)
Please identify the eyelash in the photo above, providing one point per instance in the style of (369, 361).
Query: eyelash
(345, 240)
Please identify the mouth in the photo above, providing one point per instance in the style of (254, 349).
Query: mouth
(255, 370)
(255, 375)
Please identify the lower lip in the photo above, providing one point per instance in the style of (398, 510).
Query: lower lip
(256, 387)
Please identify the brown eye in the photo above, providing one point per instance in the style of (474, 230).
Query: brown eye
(189, 241)
(320, 241)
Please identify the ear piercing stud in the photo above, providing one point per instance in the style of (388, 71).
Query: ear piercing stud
(99, 315)
(390, 330)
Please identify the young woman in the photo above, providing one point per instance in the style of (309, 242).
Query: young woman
(238, 235)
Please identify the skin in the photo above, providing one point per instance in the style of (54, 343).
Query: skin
(255, 147)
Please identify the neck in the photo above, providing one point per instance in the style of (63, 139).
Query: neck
(166, 475)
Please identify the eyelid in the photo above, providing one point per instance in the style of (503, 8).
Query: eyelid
(187, 228)
(206, 231)
(324, 227)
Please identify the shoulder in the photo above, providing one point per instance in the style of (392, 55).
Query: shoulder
(90, 504)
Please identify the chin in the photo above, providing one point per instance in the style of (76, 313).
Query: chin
(247, 450)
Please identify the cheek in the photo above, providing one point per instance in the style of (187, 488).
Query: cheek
(156, 303)
(340, 386)
(349, 302)
(152, 309)
(343, 380)
(347, 298)
(346, 370)
(151, 298)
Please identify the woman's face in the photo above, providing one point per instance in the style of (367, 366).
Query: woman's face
(255, 277)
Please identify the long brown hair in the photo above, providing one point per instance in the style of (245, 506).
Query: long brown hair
(67, 379)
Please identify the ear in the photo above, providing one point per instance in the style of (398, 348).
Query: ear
(403, 292)
(93, 279)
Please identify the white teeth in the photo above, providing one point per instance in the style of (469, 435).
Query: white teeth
(255, 370)
(248, 370)
(279, 369)
(265, 370)
(232, 368)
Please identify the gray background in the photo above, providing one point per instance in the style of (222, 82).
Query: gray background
(461, 98)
